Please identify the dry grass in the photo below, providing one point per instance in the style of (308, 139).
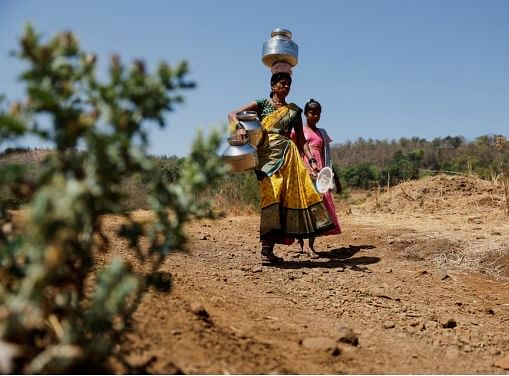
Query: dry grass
(488, 258)
(458, 222)
(234, 206)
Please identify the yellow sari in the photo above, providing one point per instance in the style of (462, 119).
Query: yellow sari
(290, 206)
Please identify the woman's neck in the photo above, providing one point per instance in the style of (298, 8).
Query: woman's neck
(311, 126)
(277, 101)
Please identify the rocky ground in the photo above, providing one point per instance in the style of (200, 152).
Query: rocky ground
(417, 283)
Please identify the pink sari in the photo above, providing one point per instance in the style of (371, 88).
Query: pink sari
(316, 145)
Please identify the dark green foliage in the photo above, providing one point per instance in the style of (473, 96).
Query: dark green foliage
(362, 175)
(169, 167)
(53, 319)
(368, 163)
(402, 167)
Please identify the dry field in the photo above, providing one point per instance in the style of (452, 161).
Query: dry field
(417, 283)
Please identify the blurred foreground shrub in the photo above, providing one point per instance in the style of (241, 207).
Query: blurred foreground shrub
(49, 323)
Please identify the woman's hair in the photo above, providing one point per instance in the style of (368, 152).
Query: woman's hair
(312, 103)
(276, 77)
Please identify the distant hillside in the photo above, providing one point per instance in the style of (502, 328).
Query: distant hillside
(367, 163)
(23, 156)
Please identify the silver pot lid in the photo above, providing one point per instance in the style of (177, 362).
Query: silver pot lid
(280, 31)
(247, 115)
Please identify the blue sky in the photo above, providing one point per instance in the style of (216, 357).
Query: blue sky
(382, 69)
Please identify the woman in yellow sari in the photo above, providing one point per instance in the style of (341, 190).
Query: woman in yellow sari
(290, 206)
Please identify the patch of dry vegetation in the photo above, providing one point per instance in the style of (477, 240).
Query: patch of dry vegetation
(26, 157)
(491, 258)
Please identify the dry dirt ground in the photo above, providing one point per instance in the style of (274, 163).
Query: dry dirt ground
(417, 283)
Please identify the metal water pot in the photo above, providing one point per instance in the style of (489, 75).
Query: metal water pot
(250, 122)
(280, 47)
(240, 155)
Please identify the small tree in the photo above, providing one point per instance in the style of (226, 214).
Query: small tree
(362, 175)
(403, 167)
(48, 322)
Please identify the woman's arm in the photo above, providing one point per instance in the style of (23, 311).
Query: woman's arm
(240, 133)
(232, 116)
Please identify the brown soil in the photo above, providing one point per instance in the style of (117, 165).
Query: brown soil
(417, 283)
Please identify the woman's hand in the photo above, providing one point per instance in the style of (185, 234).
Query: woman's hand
(240, 132)
(237, 130)
(314, 166)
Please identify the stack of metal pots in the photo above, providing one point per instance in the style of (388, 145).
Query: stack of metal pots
(241, 153)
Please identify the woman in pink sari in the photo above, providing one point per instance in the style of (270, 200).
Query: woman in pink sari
(318, 141)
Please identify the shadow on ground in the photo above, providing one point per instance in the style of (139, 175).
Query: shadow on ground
(336, 258)
(344, 252)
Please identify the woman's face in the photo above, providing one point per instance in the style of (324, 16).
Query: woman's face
(313, 114)
(282, 88)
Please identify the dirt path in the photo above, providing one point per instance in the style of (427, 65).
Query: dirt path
(380, 284)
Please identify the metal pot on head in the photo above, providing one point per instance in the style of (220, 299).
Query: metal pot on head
(249, 120)
(240, 155)
(280, 47)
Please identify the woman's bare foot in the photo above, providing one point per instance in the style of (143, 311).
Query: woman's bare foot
(268, 256)
(312, 253)
(311, 249)
(301, 245)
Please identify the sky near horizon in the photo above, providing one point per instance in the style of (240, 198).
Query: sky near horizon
(382, 69)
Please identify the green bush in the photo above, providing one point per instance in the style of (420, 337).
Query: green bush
(363, 175)
(50, 323)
